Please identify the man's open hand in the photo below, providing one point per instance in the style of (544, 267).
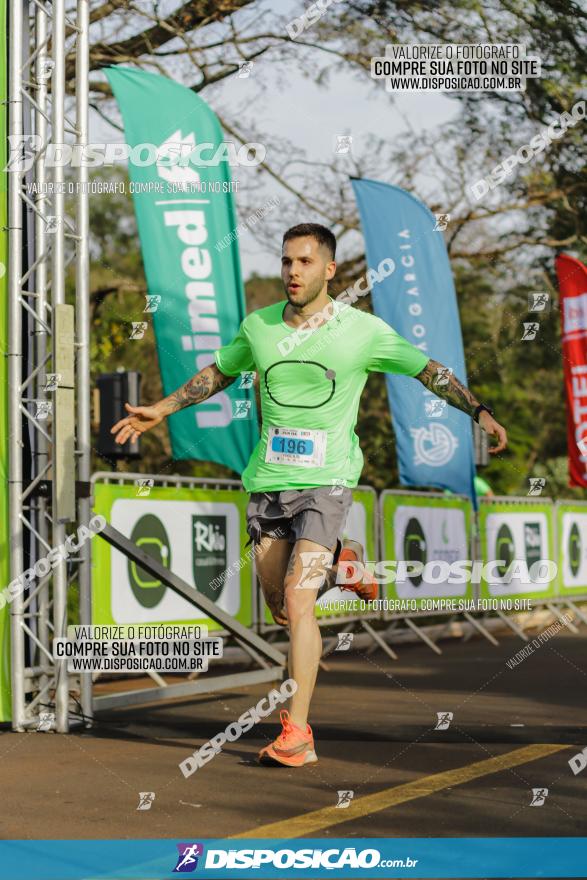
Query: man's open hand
(142, 419)
(494, 429)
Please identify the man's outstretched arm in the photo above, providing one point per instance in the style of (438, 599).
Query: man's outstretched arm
(200, 387)
(441, 381)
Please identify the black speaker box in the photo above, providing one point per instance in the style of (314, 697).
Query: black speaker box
(116, 389)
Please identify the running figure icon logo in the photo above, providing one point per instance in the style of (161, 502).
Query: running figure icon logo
(315, 565)
(241, 409)
(245, 70)
(247, 379)
(442, 377)
(46, 721)
(345, 640)
(441, 222)
(146, 799)
(343, 143)
(138, 329)
(444, 719)
(153, 301)
(187, 860)
(539, 795)
(538, 302)
(537, 484)
(435, 408)
(530, 330)
(344, 799)
(144, 487)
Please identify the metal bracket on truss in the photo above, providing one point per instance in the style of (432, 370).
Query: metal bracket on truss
(479, 626)
(378, 638)
(512, 625)
(423, 636)
(580, 614)
(556, 612)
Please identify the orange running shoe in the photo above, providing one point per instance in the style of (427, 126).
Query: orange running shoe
(293, 747)
(364, 585)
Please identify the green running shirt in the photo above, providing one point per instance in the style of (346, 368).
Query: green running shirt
(310, 392)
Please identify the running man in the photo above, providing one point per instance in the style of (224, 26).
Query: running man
(301, 473)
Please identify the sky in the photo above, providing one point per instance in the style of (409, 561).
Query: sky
(310, 116)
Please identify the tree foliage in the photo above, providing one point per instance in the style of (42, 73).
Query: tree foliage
(501, 249)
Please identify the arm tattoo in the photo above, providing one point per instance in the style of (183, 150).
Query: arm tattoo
(200, 387)
(441, 382)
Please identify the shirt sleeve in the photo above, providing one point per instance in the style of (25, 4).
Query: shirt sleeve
(236, 357)
(391, 353)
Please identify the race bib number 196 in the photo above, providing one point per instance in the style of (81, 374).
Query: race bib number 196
(298, 446)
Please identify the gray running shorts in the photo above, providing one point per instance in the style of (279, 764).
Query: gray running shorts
(315, 514)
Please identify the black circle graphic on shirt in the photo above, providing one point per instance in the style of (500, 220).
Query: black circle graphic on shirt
(329, 379)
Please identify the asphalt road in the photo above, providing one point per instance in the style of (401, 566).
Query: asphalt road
(512, 731)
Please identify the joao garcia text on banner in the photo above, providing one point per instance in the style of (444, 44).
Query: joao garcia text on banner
(434, 444)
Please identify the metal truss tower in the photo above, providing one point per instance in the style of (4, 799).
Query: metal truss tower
(48, 373)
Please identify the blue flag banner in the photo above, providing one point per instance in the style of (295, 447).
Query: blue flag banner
(338, 858)
(434, 440)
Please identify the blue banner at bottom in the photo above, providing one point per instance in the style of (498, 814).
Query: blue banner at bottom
(305, 858)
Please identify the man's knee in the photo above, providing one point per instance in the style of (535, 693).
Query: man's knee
(299, 602)
(272, 589)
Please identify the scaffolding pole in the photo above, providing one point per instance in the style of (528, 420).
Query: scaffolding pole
(15, 447)
(84, 444)
(38, 495)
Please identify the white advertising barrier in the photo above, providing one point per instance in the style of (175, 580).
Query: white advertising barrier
(430, 528)
(517, 548)
(571, 518)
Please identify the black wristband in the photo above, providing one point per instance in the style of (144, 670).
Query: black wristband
(481, 408)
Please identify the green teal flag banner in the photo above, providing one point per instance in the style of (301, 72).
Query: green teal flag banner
(187, 228)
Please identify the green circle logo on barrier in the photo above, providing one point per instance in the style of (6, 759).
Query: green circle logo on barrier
(504, 549)
(574, 549)
(415, 547)
(149, 534)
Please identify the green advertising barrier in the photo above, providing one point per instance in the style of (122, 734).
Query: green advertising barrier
(571, 529)
(424, 527)
(517, 529)
(361, 526)
(197, 533)
(5, 700)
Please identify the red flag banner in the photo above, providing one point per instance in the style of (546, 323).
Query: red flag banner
(572, 280)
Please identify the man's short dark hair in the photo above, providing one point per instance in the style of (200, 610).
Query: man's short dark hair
(322, 235)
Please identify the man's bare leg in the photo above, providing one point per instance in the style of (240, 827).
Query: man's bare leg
(305, 639)
(271, 559)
